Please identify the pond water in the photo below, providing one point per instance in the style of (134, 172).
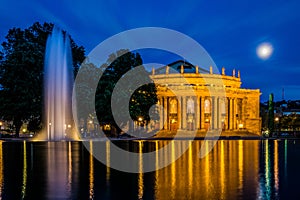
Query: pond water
(234, 169)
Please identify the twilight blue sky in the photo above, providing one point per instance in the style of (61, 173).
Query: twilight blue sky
(230, 31)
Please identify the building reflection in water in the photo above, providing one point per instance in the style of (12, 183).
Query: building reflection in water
(91, 172)
(269, 170)
(225, 172)
(234, 169)
(1, 170)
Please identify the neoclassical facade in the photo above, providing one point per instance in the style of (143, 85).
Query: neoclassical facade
(193, 98)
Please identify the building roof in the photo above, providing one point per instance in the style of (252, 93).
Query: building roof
(175, 67)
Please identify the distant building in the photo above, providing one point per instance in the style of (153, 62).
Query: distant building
(290, 112)
(197, 99)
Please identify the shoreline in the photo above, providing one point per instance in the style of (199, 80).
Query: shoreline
(168, 135)
(154, 139)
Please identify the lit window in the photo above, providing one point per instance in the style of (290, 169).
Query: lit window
(207, 108)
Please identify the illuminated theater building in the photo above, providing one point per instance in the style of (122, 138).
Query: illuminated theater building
(195, 99)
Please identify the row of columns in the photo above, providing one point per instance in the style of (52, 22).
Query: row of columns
(216, 119)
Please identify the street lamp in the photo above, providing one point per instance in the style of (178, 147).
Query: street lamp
(140, 119)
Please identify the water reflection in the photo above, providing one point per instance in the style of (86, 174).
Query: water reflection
(221, 174)
(58, 170)
(140, 174)
(24, 185)
(1, 170)
(107, 162)
(91, 174)
(234, 169)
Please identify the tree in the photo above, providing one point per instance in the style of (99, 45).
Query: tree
(141, 99)
(271, 114)
(21, 74)
(84, 93)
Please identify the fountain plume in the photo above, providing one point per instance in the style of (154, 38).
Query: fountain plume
(58, 83)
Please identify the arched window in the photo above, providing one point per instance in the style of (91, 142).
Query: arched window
(190, 106)
(173, 106)
(207, 107)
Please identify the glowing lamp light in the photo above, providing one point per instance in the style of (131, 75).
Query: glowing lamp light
(140, 119)
(241, 126)
(277, 119)
(69, 126)
(24, 130)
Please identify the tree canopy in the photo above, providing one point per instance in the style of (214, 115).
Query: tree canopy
(141, 99)
(22, 76)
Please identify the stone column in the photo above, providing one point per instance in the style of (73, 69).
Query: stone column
(197, 114)
(202, 99)
(212, 120)
(218, 112)
(227, 106)
(165, 113)
(227, 113)
(179, 112)
(230, 113)
(184, 112)
(234, 112)
(242, 111)
(245, 111)
(161, 114)
(214, 113)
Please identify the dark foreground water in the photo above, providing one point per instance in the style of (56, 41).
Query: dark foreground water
(235, 169)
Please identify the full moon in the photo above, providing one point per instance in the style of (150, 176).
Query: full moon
(264, 50)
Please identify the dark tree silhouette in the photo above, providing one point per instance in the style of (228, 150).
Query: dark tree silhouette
(21, 74)
(140, 100)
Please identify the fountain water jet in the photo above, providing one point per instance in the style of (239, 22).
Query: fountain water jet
(58, 86)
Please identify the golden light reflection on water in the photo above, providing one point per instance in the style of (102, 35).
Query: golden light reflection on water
(91, 172)
(141, 174)
(107, 162)
(219, 175)
(233, 169)
(173, 171)
(241, 160)
(190, 169)
(24, 183)
(1, 170)
(69, 165)
(222, 169)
